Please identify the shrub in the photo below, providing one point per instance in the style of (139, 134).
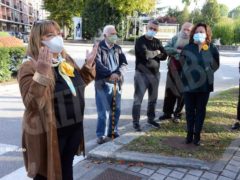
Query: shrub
(225, 31)
(11, 42)
(16, 56)
(5, 73)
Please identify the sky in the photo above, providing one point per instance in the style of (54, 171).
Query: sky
(173, 3)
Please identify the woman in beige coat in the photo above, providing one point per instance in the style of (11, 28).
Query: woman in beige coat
(52, 89)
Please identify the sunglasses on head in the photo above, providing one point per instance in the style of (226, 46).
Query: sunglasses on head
(41, 22)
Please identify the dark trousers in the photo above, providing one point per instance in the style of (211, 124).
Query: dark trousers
(195, 106)
(145, 82)
(173, 94)
(238, 108)
(69, 142)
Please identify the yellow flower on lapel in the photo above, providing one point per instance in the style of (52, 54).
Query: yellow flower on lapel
(66, 69)
(205, 47)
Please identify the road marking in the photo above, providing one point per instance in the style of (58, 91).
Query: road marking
(21, 174)
(5, 148)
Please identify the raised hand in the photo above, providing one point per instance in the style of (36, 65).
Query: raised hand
(44, 61)
(90, 57)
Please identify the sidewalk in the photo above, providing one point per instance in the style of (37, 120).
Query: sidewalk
(109, 161)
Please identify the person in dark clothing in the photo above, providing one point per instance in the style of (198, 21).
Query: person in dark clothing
(149, 52)
(236, 125)
(173, 91)
(199, 59)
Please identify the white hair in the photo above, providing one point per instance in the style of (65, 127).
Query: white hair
(106, 29)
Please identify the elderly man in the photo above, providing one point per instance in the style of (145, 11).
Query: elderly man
(149, 52)
(173, 96)
(110, 64)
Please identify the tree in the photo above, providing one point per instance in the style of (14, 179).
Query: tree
(188, 2)
(184, 16)
(62, 11)
(97, 14)
(127, 7)
(211, 12)
(225, 31)
(196, 16)
(173, 12)
(223, 10)
(235, 13)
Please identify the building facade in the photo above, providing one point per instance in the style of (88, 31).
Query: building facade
(19, 15)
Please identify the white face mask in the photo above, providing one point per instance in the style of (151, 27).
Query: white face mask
(55, 44)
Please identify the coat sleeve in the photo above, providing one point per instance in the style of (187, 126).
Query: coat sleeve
(216, 60)
(88, 73)
(143, 52)
(169, 47)
(33, 86)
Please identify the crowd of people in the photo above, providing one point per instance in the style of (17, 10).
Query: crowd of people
(52, 88)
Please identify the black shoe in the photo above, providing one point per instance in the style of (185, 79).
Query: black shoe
(189, 138)
(236, 126)
(101, 140)
(165, 117)
(137, 127)
(153, 123)
(196, 139)
(116, 135)
(176, 120)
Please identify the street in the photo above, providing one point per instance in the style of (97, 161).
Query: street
(11, 107)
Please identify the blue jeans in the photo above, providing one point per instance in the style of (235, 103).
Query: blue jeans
(104, 98)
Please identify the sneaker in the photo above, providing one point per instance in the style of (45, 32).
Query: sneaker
(236, 126)
(176, 120)
(137, 127)
(165, 117)
(101, 140)
(153, 123)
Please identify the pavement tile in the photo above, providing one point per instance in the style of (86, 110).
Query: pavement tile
(194, 172)
(210, 176)
(232, 168)
(157, 176)
(177, 174)
(223, 178)
(229, 174)
(170, 178)
(236, 158)
(146, 172)
(181, 170)
(135, 168)
(164, 171)
(190, 177)
(235, 163)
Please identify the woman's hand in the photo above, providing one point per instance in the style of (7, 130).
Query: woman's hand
(44, 61)
(90, 57)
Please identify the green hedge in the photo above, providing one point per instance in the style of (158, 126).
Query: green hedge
(10, 59)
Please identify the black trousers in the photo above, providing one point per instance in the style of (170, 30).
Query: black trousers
(173, 95)
(195, 106)
(69, 141)
(238, 107)
(145, 82)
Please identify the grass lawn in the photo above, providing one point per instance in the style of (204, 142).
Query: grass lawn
(216, 135)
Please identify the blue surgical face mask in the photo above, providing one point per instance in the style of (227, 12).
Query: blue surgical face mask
(151, 33)
(199, 37)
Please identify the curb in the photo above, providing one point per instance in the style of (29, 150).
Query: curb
(112, 150)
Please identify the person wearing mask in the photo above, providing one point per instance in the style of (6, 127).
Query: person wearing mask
(110, 66)
(149, 52)
(199, 60)
(236, 125)
(173, 91)
(52, 89)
